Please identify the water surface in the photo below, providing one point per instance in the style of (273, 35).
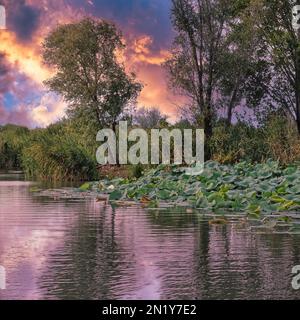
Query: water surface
(81, 249)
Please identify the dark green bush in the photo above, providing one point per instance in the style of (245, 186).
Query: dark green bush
(12, 141)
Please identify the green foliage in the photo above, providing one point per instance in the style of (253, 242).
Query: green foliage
(149, 118)
(66, 150)
(85, 187)
(12, 141)
(55, 153)
(89, 75)
(228, 52)
(243, 187)
(276, 138)
(137, 170)
(281, 139)
(57, 156)
(271, 21)
(238, 142)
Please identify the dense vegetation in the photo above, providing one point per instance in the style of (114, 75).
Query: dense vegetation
(55, 153)
(63, 151)
(232, 53)
(12, 141)
(254, 189)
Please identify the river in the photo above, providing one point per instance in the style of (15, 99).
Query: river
(81, 249)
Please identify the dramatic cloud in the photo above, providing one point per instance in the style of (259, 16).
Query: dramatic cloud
(141, 52)
(22, 18)
(148, 35)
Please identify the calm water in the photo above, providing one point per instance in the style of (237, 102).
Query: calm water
(67, 249)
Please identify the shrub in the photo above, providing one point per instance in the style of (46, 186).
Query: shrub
(237, 142)
(282, 139)
(276, 139)
(12, 141)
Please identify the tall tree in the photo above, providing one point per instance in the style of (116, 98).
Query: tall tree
(201, 30)
(243, 67)
(274, 24)
(88, 74)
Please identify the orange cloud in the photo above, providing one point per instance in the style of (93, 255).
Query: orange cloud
(141, 52)
(24, 57)
(156, 92)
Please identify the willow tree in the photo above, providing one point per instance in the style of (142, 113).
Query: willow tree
(89, 75)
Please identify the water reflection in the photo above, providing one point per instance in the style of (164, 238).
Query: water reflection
(82, 249)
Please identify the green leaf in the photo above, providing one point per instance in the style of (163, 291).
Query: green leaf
(85, 187)
(115, 195)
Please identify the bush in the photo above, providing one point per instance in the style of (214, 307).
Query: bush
(66, 150)
(55, 153)
(282, 139)
(276, 139)
(237, 142)
(12, 141)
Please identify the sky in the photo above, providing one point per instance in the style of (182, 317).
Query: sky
(147, 31)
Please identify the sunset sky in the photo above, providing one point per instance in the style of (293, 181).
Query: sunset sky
(23, 98)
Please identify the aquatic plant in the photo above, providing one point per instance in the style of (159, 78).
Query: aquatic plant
(243, 187)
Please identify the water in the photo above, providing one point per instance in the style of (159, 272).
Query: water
(81, 249)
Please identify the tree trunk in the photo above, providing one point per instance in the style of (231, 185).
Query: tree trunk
(231, 106)
(208, 133)
(229, 115)
(298, 110)
(114, 128)
(297, 86)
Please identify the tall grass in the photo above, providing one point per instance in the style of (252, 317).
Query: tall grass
(52, 154)
(56, 154)
(276, 139)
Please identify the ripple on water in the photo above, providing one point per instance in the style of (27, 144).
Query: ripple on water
(66, 249)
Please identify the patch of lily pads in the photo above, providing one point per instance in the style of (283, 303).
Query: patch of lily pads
(252, 189)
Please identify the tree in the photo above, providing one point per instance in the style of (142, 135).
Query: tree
(274, 25)
(243, 69)
(88, 74)
(193, 68)
(149, 118)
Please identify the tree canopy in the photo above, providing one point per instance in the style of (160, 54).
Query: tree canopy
(89, 75)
